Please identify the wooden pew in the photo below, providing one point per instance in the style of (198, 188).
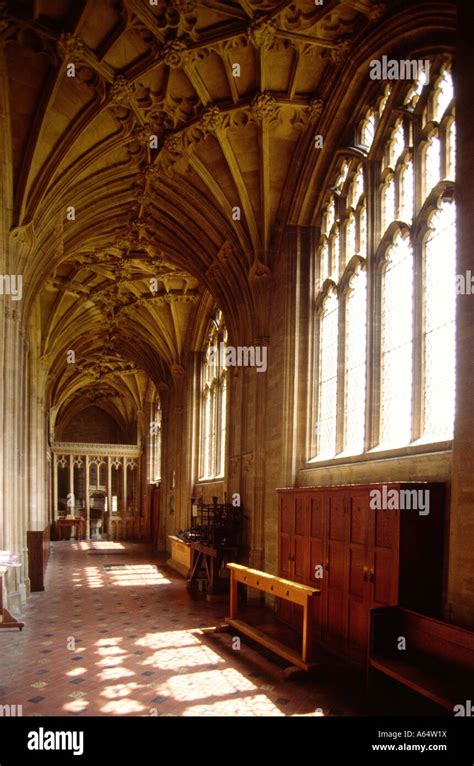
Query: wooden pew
(276, 586)
(438, 661)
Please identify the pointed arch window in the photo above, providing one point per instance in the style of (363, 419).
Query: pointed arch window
(329, 250)
(327, 389)
(367, 129)
(439, 335)
(154, 444)
(355, 361)
(388, 201)
(443, 94)
(406, 191)
(397, 343)
(397, 255)
(213, 426)
(431, 165)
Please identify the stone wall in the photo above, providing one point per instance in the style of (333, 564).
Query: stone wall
(92, 425)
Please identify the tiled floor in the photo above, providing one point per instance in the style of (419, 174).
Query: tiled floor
(116, 634)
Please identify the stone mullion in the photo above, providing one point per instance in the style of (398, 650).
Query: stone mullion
(341, 369)
(373, 371)
(296, 381)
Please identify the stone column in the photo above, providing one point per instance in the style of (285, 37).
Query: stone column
(109, 496)
(55, 487)
(14, 530)
(71, 498)
(460, 606)
(88, 514)
(124, 487)
(24, 457)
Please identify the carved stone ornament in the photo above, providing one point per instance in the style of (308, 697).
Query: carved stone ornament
(262, 33)
(121, 91)
(314, 109)
(71, 47)
(211, 120)
(174, 144)
(265, 107)
(175, 54)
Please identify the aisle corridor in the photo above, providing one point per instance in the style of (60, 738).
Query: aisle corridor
(116, 635)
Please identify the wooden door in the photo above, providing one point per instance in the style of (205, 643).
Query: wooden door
(383, 557)
(317, 575)
(333, 623)
(300, 546)
(358, 586)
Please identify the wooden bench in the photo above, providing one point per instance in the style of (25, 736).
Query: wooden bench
(438, 661)
(276, 586)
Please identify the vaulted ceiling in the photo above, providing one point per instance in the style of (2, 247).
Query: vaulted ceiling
(155, 147)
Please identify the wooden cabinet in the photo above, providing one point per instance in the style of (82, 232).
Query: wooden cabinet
(364, 546)
(38, 542)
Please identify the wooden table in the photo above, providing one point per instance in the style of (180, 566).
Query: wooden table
(78, 521)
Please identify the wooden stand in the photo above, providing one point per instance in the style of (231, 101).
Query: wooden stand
(277, 586)
(38, 542)
(6, 619)
(210, 560)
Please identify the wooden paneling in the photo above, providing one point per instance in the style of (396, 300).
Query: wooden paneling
(369, 558)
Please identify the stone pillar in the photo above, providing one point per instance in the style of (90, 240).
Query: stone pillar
(88, 513)
(14, 530)
(55, 487)
(460, 606)
(257, 555)
(24, 457)
(109, 496)
(124, 488)
(71, 498)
